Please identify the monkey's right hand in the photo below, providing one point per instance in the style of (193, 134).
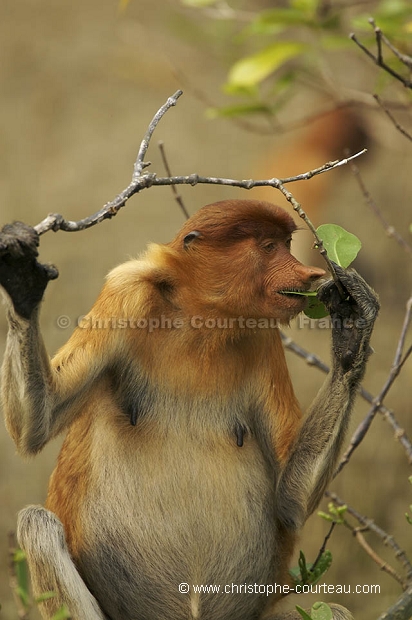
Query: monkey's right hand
(21, 276)
(353, 317)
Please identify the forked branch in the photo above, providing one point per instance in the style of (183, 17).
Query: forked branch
(141, 179)
(378, 59)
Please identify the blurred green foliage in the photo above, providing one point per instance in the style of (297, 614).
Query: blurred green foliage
(291, 42)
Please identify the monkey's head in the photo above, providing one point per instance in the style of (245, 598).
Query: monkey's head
(233, 258)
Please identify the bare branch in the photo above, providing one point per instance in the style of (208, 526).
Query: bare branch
(139, 164)
(384, 566)
(392, 118)
(389, 229)
(176, 194)
(401, 609)
(404, 58)
(359, 434)
(377, 402)
(378, 59)
(370, 525)
(310, 358)
(141, 180)
(323, 547)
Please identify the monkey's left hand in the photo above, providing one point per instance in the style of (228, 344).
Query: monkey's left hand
(352, 317)
(21, 275)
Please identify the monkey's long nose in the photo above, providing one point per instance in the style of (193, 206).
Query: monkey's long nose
(308, 274)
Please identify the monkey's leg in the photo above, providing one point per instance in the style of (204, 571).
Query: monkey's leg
(339, 613)
(41, 535)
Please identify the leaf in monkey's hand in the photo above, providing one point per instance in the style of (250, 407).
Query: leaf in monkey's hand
(315, 308)
(342, 246)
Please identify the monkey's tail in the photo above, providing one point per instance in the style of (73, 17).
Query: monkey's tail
(41, 536)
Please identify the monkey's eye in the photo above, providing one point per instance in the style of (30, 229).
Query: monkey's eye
(269, 246)
(289, 243)
(190, 237)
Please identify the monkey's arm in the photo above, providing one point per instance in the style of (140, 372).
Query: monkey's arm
(313, 458)
(39, 400)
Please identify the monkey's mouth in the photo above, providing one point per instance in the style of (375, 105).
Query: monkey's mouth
(295, 293)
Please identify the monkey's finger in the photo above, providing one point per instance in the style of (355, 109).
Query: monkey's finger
(51, 272)
(359, 291)
(18, 239)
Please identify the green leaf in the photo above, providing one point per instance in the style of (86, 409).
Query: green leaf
(306, 574)
(336, 513)
(198, 3)
(342, 246)
(321, 611)
(323, 564)
(316, 309)
(46, 596)
(62, 614)
(22, 576)
(326, 516)
(19, 556)
(24, 597)
(233, 111)
(252, 70)
(274, 21)
(336, 42)
(306, 6)
(303, 613)
(240, 90)
(303, 567)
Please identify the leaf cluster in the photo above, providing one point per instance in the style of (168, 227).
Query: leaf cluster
(291, 42)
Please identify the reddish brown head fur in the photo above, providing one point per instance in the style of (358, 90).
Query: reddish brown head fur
(235, 257)
(229, 221)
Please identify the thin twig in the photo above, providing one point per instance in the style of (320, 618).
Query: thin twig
(378, 59)
(318, 241)
(176, 194)
(359, 434)
(141, 180)
(401, 609)
(57, 222)
(387, 539)
(384, 566)
(144, 145)
(404, 58)
(323, 547)
(397, 365)
(389, 229)
(310, 358)
(389, 114)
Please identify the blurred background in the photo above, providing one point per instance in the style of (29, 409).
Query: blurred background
(79, 83)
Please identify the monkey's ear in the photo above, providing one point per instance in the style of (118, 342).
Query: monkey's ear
(190, 237)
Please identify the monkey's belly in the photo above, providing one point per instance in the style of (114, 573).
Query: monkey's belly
(195, 514)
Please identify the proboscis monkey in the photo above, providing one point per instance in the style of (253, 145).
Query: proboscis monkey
(186, 460)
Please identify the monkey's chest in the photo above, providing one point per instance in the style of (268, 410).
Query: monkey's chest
(174, 518)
